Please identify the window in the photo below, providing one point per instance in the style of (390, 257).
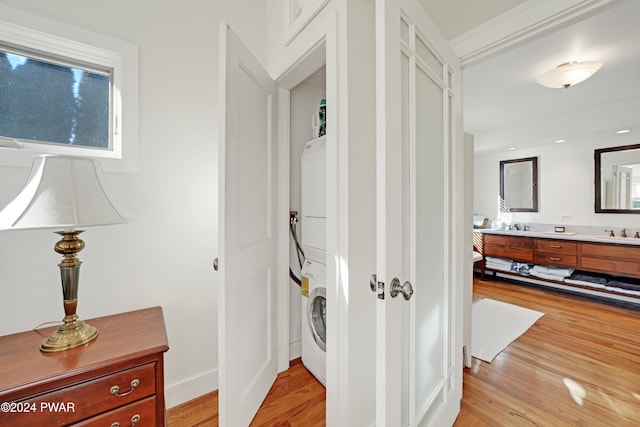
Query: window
(45, 102)
(66, 90)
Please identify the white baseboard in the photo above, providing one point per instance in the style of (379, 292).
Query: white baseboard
(181, 392)
(191, 388)
(295, 349)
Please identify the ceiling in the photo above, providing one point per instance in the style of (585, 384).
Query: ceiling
(504, 107)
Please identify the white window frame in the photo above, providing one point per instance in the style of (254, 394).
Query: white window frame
(33, 32)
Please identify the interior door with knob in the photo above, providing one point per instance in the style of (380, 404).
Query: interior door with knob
(419, 332)
(247, 233)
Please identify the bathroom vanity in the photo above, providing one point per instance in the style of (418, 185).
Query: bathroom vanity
(609, 257)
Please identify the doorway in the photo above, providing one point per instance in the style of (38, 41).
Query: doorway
(305, 99)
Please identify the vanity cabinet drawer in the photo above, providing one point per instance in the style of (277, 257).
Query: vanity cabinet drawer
(556, 247)
(556, 260)
(615, 267)
(606, 250)
(623, 260)
(558, 253)
(510, 247)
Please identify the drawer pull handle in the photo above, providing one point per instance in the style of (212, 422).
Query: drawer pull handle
(554, 258)
(115, 390)
(555, 246)
(134, 421)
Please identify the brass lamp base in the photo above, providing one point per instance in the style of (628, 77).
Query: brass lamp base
(73, 333)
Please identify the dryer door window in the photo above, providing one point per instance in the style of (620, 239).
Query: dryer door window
(317, 316)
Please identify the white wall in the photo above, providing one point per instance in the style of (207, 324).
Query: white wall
(565, 183)
(164, 257)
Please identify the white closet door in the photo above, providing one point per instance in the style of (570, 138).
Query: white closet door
(247, 262)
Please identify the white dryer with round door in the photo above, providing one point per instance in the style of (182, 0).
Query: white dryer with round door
(314, 319)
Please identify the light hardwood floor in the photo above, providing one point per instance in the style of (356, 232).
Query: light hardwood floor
(579, 365)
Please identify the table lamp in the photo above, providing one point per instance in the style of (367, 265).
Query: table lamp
(65, 192)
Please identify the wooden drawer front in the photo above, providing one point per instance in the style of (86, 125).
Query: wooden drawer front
(556, 247)
(557, 260)
(84, 400)
(140, 414)
(624, 252)
(610, 266)
(623, 260)
(515, 254)
(517, 248)
(510, 241)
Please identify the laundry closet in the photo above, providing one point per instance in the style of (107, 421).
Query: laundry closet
(257, 292)
(307, 243)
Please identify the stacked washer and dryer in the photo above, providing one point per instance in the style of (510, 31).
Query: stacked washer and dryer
(314, 237)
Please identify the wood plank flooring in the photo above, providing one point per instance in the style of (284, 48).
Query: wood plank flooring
(297, 399)
(579, 365)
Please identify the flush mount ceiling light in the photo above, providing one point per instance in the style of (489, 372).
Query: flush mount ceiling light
(569, 74)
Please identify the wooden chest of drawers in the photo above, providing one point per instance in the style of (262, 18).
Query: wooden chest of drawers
(115, 380)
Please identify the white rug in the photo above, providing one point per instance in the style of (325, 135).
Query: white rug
(496, 324)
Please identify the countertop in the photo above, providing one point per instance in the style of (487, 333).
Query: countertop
(563, 236)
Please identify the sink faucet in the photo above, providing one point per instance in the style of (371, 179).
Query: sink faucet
(623, 232)
(610, 233)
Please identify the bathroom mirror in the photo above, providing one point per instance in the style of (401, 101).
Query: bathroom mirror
(617, 179)
(519, 184)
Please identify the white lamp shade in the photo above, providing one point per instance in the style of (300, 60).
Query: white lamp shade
(63, 192)
(569, 74)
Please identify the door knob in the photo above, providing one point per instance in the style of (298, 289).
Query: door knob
(215, 264)
(396, 288)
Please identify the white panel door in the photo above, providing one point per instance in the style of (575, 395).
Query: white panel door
(247, 239)
(419, 340)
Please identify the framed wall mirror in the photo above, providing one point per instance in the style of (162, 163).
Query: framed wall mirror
(617, 179)
(519, 184)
